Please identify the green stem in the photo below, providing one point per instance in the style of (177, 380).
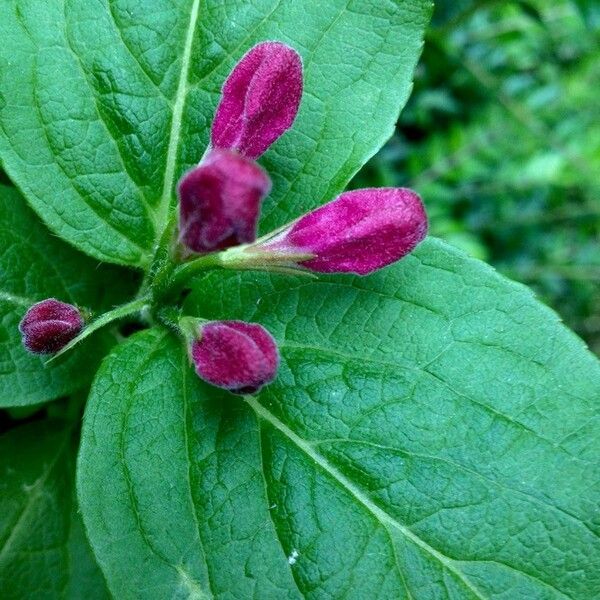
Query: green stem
(169, 316)
(108, 317)
(163, 258)
(182, 274)
(241, 258)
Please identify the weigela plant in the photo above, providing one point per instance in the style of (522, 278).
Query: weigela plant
(219, 206)
(233, 378)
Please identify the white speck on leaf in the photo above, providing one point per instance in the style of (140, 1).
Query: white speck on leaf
(293, 557)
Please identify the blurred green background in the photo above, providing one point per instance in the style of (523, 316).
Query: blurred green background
(501, 137)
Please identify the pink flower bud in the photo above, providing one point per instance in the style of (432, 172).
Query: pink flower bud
(220, 201)
(50, 325)
(234, 355)
(260, 99)
(358, 232)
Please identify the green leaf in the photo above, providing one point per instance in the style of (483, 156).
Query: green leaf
(4, 180)
(43, 549)
(105, 104)
(174, 502)
(432, 433)
(35, 265)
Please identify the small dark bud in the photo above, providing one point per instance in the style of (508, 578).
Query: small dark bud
(220, 201)
(50, 325)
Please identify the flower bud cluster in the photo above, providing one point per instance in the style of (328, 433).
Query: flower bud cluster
(219, 206)
(220, 198)
(358, 232)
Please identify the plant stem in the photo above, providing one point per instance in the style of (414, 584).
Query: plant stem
(241, 258)
(108, 317)
(163, 258)
(182, 274)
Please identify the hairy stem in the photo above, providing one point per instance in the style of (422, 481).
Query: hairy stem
(120, 312)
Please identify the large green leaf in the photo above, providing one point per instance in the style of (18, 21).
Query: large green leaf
(432, 433)
(104, 104)
(35, 265)
(43, 549)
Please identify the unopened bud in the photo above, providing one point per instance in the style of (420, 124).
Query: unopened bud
(50, 325)
(237, 356)
(220, 201)
(358, 232)
(259, 100)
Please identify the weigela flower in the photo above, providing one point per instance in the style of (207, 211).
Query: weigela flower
(50, 325)
(220, 201)
(260, 99)
(234, 355)
(358, 232)
(220, 198)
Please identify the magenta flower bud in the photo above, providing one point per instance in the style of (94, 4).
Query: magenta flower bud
(220, 201)
(358, 232)
(50, 325)
(259, 100)
(234, 355)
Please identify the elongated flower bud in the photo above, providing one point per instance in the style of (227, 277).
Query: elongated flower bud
(358, 232)
(50, 325)
(220, 201)
(237, 356)
(259, 100)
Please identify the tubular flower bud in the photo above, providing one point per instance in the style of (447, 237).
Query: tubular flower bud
(358, 232)
(50, 325)
(259, 100)
(234, 355)
(220, 201)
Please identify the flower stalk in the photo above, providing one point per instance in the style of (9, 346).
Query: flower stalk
(138, 305)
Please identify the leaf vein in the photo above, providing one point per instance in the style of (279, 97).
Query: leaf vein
(269, 501)
(384, 518)
(176, 122)
(101, 118)
(35, 493)
(186, 436)
(461, 467)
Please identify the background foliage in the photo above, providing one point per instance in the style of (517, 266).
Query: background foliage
(501, 138)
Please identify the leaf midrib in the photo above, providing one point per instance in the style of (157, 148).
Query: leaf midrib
(162, 212)
(384, 518)
(186, 436)
(36, 489)
(15, 299)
